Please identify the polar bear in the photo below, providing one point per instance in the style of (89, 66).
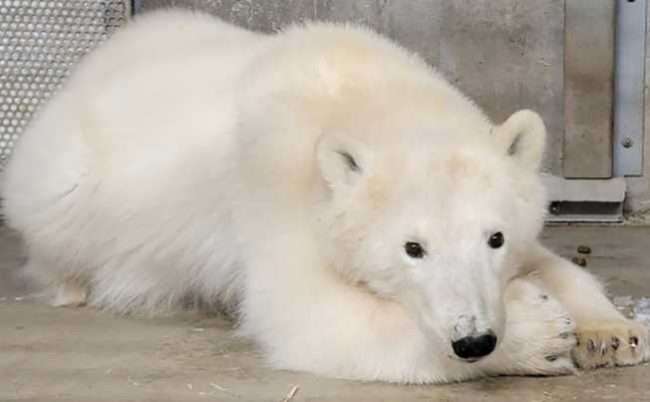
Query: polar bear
(360, 216)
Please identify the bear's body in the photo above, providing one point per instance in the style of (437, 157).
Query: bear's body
(340, 196)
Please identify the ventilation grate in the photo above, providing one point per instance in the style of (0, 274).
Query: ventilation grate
(40, 40)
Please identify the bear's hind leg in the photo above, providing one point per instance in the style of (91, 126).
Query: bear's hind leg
(59, 286)
(70, 293)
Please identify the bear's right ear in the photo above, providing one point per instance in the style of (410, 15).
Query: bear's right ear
(523, 136)
(342, 161)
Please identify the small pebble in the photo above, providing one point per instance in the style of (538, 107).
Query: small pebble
(584, 249)
(581, 261)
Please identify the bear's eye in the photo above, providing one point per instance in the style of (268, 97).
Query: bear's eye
(414, 250)
(496, 240)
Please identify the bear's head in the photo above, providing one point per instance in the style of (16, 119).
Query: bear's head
(419, 198)
(435, 214)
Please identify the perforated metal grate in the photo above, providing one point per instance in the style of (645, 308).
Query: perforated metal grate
(40, 40)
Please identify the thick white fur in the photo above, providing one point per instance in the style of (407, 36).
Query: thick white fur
(281, 176)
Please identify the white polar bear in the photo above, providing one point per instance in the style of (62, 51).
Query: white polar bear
(360, 215)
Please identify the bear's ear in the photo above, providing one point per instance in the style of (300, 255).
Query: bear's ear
(342, 161)
(523, 136)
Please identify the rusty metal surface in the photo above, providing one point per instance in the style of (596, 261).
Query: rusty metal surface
(588, 91)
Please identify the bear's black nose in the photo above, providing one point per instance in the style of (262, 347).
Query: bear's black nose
(474, 347)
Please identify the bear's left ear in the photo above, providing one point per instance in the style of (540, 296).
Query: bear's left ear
(523, 136)
(342, 161)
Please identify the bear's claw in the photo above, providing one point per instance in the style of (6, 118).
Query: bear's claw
(611, 343)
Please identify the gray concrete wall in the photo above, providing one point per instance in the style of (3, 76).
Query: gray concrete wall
(506, 54)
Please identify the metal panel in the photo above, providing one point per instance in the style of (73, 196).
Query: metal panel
(629, 87)
(585, 200)
(588, 80)
(39, 42)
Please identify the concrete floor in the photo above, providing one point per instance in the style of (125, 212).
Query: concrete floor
(51, 354)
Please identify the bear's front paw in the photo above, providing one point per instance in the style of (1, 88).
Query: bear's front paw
(539, 334)
(611, 343)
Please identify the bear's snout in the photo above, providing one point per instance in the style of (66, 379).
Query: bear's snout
(472, 348)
